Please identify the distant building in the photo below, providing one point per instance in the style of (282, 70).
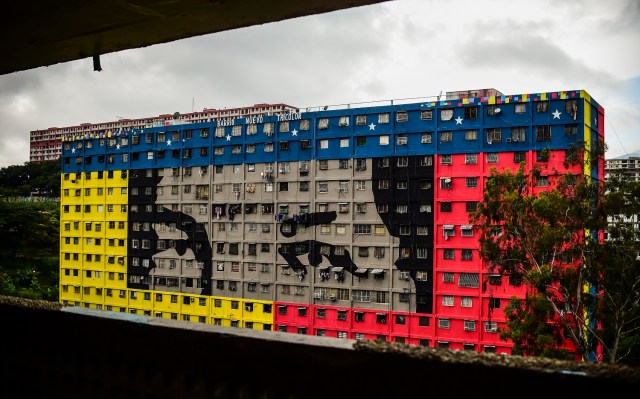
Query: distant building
(626, 165)
(346, 223)
(46, 144)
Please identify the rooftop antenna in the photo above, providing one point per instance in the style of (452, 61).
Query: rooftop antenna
(192, 103)
(439, 95)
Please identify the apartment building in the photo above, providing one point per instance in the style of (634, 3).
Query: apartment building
(46, 144)
(347, 223)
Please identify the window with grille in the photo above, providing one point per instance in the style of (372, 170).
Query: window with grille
(472, 182)
(444, 323)
(362, 229)
(466, 231)
(446, 137)
(492, 157)
(494, 135)
(447, 277)
(445, 159)
(468, 280)
(361, 120)
(383, 118)
(543, 133)
(445, 207)
(402, 116)
(519, 156)
(494, 303)
(447, 300)
(401, 139)
(467, 254)
(469, 325)
(403, 162)
(449, 254)
(426, 138)
(471, 159)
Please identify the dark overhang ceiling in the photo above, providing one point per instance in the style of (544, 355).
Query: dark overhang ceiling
(46, 32)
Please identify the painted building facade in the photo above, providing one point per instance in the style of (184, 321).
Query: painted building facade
(349, 223)
(46, 144)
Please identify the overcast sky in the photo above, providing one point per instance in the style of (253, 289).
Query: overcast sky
(394, 50)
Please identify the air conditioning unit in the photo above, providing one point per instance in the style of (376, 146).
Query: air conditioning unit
(332, 297)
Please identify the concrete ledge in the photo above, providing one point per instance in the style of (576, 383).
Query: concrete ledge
(57, 352)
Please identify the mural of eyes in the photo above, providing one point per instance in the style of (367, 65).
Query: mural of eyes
(190, 236)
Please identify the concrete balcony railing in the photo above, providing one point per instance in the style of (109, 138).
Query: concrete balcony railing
(54, 352)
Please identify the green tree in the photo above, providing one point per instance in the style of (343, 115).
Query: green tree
(551, 239)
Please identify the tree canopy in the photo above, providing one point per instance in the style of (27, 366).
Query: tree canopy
(583, 287)
(42, 178)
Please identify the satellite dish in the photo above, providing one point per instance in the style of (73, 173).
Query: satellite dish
(497, 110)
(447, 180)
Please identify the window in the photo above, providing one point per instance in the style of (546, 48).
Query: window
(571, 130)
(449, 254)
(323, 187)
(445, 206)
(403, 162)
(519, 156)
(323, 123)
(493, 110)
(343, 164)
(469, 325)
(343, 121)
(401, 139)
(361, 120)
(471, 113)
(426, 138)
(446, 114)
(304, 124)
(518, 134)
(358, 316)
(444, 323)
(447, 300)
(445, 159)
(542, 106)
(520, 108)
(447, 277)
(426, 115)
(494, 136)
(446, 137)
(472, 182)
(494, 303)
(383, 118)
(468, 280)
(471, 159)
(361, 141)
(490, 326)
(542, 181)
(467, 230)
(543, 133)
(402, 116)
(445, 183)
(467, 254)
(492, 157)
